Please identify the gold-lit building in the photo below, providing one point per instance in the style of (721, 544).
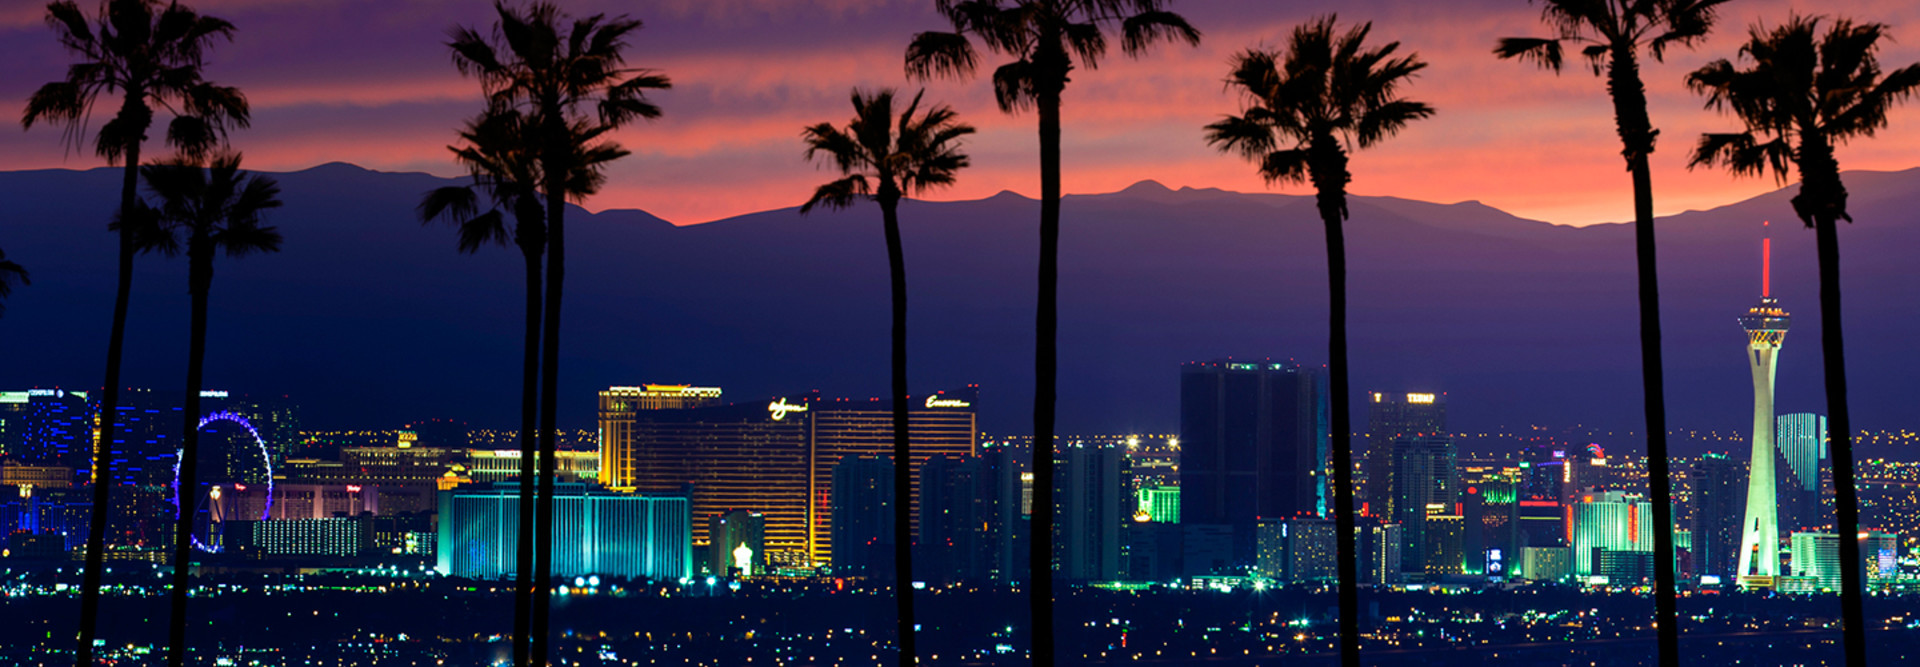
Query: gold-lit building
(774, 457)
(619, 404)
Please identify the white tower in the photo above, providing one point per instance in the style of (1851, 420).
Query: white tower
(1766, 325)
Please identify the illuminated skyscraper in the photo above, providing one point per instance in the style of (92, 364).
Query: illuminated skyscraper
(1817, 555)
(594, 532)
(1390, 417)
(1425, 475)
(1253, 444)
(618, 409)
(1609, 521)
(1802, 442)
(1766, 326)
(774, 457)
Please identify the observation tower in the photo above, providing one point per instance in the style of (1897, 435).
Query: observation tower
(1766, 326)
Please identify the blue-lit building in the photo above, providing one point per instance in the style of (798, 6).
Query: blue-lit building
(595, 532)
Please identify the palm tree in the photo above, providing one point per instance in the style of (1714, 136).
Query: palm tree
(1802, 93)
(10, 273)
(1303, 109)
(554, 75)
(1613, 33)
(1046, 39)
(152, 55)
(499, 153)
(882, 163)
(209, 211)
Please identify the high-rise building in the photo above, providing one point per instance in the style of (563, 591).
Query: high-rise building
(1444, 532)
(1298, 550)
(1609, 521)
(1816, 555)
(1881, 551)
(1425, 475)
(1544, 563)
(1545, 523)
(862, 507)
(1390, 417)
(774, 457)
(1718, 486)
(1253, 443)
(960, 519)
(618, 408)
(1801, 439)
(1161, 504)
(1092, 509)
(1379, 548)
(594, 532)
(1758, 558)
(49, 427)
(737, 544)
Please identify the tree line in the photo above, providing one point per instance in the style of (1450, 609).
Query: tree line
(556, 86)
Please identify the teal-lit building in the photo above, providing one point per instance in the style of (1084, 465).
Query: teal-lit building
(595, 532)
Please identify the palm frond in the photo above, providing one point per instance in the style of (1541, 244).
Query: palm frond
(940, 54)
(838, 194)
(1285, 166)
(1142, 30)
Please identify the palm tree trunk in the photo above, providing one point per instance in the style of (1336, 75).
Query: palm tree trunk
(109, 410)
(201, 275)
(555, 174)
(902, 450)
(1653, 380)
(1840, 429)
(1330, 182)
(1046, 370)
(529, 409)
(1636, 134)
(1822, 202)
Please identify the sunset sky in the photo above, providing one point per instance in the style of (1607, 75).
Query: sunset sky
(370, 82)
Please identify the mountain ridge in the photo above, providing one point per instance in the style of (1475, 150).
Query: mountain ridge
(1522, 321)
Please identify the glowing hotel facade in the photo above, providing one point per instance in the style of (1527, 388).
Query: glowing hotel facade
(774, 457)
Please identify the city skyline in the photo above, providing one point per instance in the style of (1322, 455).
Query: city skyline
(1492, 355)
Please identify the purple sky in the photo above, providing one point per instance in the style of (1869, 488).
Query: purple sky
(370, 82)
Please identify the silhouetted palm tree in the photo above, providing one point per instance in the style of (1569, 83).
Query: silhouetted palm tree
(883, 161)
(151, 54)
(1612, 34)
(1302, 108)
(1046, 39)
(1801, 93)
(10, 273)
(557, 75)
(500, 152)
(207, 211)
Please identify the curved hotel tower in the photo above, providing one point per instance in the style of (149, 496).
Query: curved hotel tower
(1766, 325)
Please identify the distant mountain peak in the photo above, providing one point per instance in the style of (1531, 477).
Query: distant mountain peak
(1146, 187)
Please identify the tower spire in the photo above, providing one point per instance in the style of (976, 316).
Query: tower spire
(1766, 264)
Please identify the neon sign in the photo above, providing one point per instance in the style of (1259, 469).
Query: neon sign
(1419, 398)
(936, 402)
(779, 408)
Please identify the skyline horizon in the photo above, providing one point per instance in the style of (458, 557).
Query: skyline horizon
(1149, 185)
(750, 74)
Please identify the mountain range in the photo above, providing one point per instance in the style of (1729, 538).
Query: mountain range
(370, 319)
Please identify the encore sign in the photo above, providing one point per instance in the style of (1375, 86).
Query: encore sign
(780, 408)
(937, 402)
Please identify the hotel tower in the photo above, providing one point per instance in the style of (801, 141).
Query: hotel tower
(1766, 325)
